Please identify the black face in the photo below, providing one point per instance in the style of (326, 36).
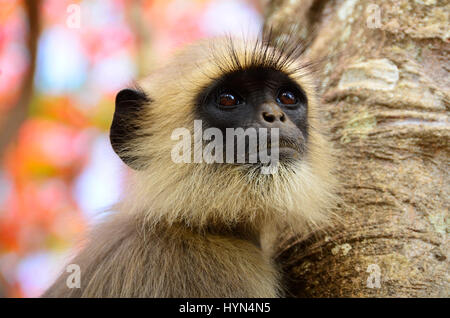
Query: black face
(254, 98)
(258, 98)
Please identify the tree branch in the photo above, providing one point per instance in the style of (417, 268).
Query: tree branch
(17, 115)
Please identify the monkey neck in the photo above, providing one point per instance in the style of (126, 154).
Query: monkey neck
(242, 231)
(247, 232)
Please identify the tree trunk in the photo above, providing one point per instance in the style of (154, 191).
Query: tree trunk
(385, 92)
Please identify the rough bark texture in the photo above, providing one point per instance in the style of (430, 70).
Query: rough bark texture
(386, 105)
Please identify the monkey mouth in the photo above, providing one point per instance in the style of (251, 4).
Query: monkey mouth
(285, 149)
(290, 144)
(286, 146)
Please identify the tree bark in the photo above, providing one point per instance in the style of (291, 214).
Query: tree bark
(385, 92)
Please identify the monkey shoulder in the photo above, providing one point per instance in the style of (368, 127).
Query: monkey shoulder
(126, 260)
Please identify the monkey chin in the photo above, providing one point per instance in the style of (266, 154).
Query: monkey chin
(288, 156)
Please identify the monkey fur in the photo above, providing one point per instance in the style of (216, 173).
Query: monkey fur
(195, 230)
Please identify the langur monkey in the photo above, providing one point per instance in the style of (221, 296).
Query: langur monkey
(194, 229)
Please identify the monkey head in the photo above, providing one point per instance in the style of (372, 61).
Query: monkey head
(217, 87)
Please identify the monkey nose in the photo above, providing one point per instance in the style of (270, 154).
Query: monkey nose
(272, 115)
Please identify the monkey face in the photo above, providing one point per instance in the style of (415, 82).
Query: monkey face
(258, 98)
(226, 85)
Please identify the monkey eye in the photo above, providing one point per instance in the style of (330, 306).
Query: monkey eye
(287, 97)
(228, 99)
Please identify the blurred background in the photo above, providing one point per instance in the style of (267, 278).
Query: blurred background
(61, 64)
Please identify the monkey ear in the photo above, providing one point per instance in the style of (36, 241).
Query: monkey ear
(124, 127)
